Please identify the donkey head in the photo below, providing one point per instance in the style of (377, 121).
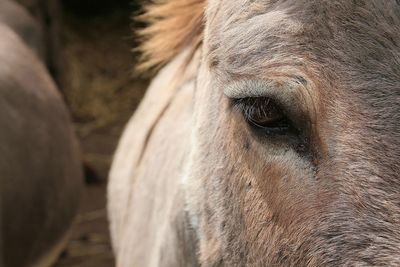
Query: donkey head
(296, 135)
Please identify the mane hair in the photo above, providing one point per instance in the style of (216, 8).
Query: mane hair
(171, 26)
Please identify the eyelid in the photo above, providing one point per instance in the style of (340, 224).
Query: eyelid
(289, 93)
(262, 88)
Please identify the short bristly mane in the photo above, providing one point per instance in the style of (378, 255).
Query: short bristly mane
(171, 26)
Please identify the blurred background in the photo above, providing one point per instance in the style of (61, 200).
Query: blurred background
(88, 51)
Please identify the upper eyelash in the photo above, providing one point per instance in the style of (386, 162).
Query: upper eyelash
(249, 105)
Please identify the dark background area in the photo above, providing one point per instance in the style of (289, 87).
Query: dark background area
(89, 54)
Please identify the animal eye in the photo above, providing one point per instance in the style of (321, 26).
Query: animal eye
(263, 114)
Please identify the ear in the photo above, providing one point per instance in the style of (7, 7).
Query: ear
(172, 26)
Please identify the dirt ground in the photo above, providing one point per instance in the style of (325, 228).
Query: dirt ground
(102, 94)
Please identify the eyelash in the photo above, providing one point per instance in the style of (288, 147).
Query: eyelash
(250, 105)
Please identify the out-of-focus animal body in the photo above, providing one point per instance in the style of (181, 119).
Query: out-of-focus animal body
(22, 23)
(40, 167)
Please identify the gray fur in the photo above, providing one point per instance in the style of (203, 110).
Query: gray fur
(255, 200)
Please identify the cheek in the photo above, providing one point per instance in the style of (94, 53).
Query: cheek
(272, 181)
(253, 194)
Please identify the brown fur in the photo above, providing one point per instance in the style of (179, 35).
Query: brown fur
(172, 26)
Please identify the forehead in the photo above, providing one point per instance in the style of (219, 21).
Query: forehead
(250, 37)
